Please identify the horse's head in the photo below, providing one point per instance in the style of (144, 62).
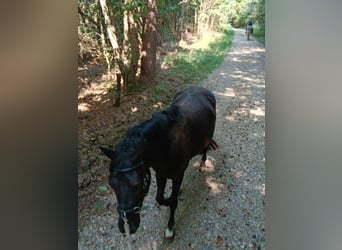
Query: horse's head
(130, 181)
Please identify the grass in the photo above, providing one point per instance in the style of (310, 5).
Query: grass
(192, 64)
(161, 91)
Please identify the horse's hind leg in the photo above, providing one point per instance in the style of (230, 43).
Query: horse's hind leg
(212, 146)
(204, 158)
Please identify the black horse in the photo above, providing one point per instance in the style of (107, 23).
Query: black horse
(166, 142)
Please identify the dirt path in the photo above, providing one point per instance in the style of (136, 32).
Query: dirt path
(222, 207)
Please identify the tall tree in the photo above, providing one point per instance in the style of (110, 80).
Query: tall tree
(111, 33)
(131, 51)
(180, 27)
(149, 43)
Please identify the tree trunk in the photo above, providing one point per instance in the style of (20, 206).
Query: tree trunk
(149, 43)
(180, 22)
(109, 26)
(131, 47)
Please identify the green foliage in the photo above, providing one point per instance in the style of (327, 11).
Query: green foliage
(189, 66)
(259, 33)
(193, 66)
(241, 10)
(99, 204)
(161, 92)
(103, 188)
(260, 16)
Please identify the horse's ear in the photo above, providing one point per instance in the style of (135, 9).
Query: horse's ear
(108, 152)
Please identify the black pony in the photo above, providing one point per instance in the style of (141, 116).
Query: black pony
(166, 142)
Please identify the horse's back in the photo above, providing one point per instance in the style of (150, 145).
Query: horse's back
(195, 98)
(197, 106)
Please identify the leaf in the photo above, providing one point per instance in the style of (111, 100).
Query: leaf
(99, 204)
(230, 182)
(103, 188)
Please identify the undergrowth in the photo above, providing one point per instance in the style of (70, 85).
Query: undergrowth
(259, 33)
(191, 65)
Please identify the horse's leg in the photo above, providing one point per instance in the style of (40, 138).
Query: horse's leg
(161, 182)
(204, 158)
(212, 145)
(173, 202)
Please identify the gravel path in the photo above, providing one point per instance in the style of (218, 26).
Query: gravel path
(223, 206)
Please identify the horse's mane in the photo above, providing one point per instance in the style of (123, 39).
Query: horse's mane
(149, 130)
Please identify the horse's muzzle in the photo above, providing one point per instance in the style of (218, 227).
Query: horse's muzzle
(133, 222)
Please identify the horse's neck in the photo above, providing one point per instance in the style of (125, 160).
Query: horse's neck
(156, 137)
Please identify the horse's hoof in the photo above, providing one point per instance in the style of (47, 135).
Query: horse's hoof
(202, 165)
(169, 233)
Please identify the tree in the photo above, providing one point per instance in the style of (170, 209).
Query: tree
(131, 51)
(123, 32)
(110, 28)
(260, 16)
(149, 43)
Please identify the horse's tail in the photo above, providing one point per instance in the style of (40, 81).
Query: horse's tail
(213, 145)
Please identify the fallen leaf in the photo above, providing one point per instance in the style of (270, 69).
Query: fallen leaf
(99, 204)
(103, 188)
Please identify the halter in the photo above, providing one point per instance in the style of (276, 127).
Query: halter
(146, 185)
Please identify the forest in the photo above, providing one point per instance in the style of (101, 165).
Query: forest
(129, 36)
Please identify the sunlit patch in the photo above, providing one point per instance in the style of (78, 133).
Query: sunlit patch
(239, 174)
(157, 105)
(95, 90)
(215, 187)
(261, 189)
(107, 100)
(97, 98)
(197, 164)
(247, 51)
(149, 245)
(235, 59)
(258, 112)
(134, 109)
(165, 65)
(230, 118)
(83, 107)
(229, 92)
(209, 165)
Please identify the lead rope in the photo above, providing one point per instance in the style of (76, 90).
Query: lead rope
(126, 227)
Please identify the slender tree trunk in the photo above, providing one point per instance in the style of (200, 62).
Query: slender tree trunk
(109, 26)
(149, 43)
(180, 22)
(131, 46)
(111, 33)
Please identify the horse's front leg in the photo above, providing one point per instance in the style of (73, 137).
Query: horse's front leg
(173, 202)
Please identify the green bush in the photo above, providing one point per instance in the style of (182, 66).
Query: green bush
(192, 66)
(259, 33)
